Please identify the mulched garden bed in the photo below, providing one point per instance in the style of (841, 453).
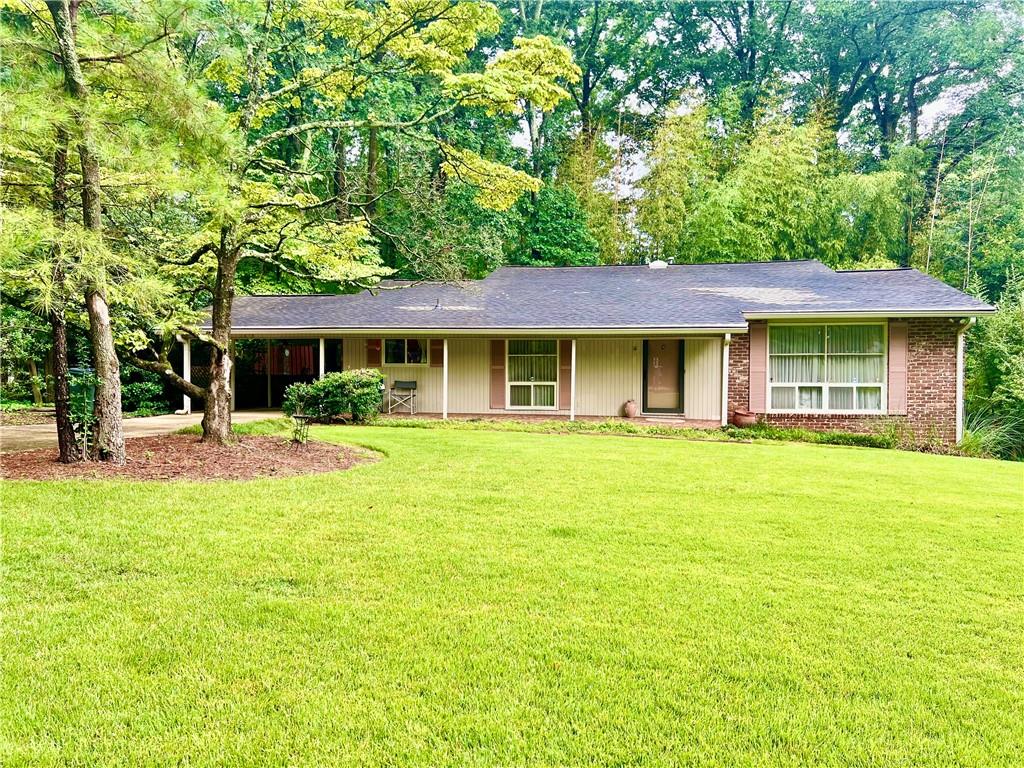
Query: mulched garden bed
(185, 457)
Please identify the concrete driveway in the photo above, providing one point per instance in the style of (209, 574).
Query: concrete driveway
(45, 435)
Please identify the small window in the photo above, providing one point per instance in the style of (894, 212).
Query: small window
(404, 352)
(532, 373)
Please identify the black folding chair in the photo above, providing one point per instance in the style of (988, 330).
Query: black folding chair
(402, 394)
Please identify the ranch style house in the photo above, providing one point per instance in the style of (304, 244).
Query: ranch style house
(795, 343)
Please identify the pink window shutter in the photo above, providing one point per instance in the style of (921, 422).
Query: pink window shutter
(564, 373)
(498, 374)
(437, 353)
(898, 335)
(758, 367)
(373, 353)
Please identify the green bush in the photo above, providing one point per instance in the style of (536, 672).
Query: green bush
(366, 386)
(995, 378)
(143, 397)
(300, 398)
(991, 432)
(354, 392)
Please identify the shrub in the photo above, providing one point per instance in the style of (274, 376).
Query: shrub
(366, 386)
(300, 398)
(355, 392)
(990, 432)
(995, 377)
(145, 397)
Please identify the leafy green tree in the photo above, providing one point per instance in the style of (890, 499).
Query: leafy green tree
(24, 343)
(559, 235)
(591, 170)
(881, 65)
(738, 47)
(995, 368)
(973, 230)
(98, 106)
(783, 193)
(278, 205)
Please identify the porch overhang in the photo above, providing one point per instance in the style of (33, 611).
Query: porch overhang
(522, 331)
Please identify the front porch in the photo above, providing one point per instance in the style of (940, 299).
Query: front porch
(679, 379)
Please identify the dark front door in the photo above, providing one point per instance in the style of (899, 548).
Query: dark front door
(663, 376)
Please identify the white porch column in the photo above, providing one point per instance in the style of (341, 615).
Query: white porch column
(323, 358)
(572, 382)
(444, 380)
(726, 341)
(231, 355)
(186, 373)
(267, 366)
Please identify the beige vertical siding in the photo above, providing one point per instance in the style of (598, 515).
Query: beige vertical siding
(353, 353)
(608, 373)
(428, 380)
(428, 384)
(469, 371)
(702, 379)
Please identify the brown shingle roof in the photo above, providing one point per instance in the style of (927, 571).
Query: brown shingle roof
(721, 296)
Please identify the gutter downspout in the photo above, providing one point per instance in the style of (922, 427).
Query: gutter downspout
(726, 341)
(961, 330)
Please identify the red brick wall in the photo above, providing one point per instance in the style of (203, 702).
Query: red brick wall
(931, 387)
(739, 372)
(931, 378)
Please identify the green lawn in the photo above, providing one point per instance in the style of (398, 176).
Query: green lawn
(485, 598)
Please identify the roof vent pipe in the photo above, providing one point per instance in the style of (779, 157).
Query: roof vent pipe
(657, 264)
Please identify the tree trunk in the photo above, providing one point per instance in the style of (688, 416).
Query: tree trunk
(217, 405)
(914, 113)
(67, 445)
(108, 443)
(37, 393)
(372, 188)
(340, 182)
(534, 118)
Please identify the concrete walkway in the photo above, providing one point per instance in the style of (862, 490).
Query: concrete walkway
(45, 435)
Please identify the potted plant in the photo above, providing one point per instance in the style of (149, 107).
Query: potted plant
(744, 418)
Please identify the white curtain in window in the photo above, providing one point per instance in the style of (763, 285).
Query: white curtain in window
(856, 338)
(544, 395)
(840, 398)
(520, 395)
(869, 398)
(797, 339)
(856, 369)
(532, 360)
(797, 368)
(809, 398)
(532, 368)
(784, 398)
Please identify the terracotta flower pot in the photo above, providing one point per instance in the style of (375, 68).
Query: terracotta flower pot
(744, 418)
(630, 409)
